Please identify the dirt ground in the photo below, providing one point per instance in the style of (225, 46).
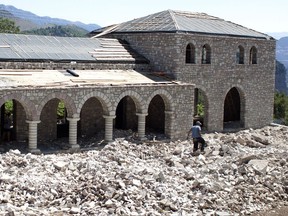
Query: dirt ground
(280, 211)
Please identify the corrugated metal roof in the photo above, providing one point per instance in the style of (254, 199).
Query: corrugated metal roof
(181, 21)
(34, 47)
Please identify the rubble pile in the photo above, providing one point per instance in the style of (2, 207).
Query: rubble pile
(239, 174)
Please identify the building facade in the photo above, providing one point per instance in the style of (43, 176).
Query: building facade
(231, 66)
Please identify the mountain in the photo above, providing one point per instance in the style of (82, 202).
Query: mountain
(282, 51)
(281, 65)
(28, 21)
(278, 35)
(281, 78)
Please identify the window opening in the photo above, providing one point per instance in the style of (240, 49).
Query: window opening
(206, 54)
(240, 55)
(253, 55)
(190, 54)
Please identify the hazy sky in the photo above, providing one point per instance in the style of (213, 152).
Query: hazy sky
(260, 15)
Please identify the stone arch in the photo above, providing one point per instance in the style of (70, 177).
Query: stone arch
(104, 100)
(137, 98)
(28, 106)
(253, 55)
(240, 55)
(234, 107)
(206, 54)
(204, 119)
(127, 105)
(92, 108)
(190, 54)
(69, 104)
(167, 98)
(160, 109)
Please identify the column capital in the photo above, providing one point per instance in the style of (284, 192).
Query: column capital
(32, 121)
(109, 117)
(73, 119)
(141, 114)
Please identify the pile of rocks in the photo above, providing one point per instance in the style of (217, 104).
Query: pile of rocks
(239, 174)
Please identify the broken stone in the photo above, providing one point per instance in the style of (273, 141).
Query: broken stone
(60, 165)
(261, 139)
(260, 166)
(151, 178)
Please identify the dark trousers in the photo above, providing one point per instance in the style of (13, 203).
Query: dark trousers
(198, 140)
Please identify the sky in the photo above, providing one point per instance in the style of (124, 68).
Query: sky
(261, 15)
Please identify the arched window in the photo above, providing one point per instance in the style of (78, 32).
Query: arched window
(206, 54)
(190, 54)
(253, 55)
(240, 55)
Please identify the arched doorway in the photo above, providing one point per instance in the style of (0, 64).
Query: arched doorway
(232, 109)
(155, 121)
(53, 123)
(126, 114)
(8, 121)
(200, 107)
(91, 122)
(62, 123)
(14, 129)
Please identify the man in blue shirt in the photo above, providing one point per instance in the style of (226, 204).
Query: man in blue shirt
(196, 135)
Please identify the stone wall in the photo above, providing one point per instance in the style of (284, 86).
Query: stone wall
(40, 104)
(73, 65)
(254, 82)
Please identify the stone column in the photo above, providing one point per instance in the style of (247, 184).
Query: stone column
(141, 125)
(73, 133)
(108, 128)
(32, 145)
(169, 121)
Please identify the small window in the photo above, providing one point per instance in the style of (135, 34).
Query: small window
(240, 55)
(206, 54)
(253, 55)
(190, 54)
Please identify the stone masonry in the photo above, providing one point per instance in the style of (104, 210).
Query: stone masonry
(34, 102)
(254, 82)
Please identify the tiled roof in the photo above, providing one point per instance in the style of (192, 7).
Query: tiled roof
(180, 21)
(20, 47)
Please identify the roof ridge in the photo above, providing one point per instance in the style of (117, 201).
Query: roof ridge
(171, 12)
(184, 21)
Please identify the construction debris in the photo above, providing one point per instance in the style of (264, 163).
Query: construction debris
(240, 173)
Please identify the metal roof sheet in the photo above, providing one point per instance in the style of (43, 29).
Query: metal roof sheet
(181, 21)
(34, 47)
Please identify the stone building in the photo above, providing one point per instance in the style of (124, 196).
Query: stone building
(232, 66)
(148, 74)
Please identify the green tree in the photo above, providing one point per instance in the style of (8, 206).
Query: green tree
(61, 110)
(9, 107)
(61, 31)
(281, 107)
(8, 26)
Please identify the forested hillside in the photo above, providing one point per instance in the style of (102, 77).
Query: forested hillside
(282, 51)
(29, 21)
(62, 31)
(281, 78)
